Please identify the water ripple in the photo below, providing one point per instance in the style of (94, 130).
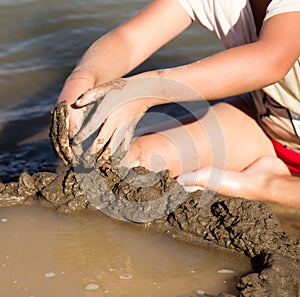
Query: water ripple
(25, 113)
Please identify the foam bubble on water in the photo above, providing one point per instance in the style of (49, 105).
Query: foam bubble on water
(200, 292)
(126, 276)
(92, 287)
(4, 220)
(225, 271)
(50, 274)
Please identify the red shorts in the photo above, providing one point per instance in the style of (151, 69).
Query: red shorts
(289, 157)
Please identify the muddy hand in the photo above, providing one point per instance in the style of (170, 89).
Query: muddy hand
(99, 92)
(112, 123)
(59, 133)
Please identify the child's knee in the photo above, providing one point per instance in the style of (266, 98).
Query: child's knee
(154, 152)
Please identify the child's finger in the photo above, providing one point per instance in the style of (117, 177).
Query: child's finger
(99, 92)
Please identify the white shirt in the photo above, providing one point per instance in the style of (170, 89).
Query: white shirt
(233, 23)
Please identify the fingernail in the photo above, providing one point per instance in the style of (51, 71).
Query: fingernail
(76, 140)
(79, 100)
(179, 179)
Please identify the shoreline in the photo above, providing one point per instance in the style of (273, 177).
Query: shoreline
(249, 227)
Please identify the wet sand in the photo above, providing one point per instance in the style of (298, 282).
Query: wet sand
(289, 218)
(225, 223)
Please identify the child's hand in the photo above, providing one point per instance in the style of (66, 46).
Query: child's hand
(113, 120)
(67, 118)
(69, 115)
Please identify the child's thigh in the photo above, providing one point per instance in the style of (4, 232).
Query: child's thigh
(245, 141)
(224, 137)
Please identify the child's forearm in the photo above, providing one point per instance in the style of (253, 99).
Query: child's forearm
(230, 72)
(128, 45)
(245, 68)
(108, 58)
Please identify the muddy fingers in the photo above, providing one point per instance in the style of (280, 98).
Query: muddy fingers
(59, 133)
(99, 92)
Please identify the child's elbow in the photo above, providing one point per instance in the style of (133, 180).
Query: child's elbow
(278, 67)
(278, 73)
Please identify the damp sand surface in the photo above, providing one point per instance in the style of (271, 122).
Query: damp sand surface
(289, 218)
(49, 254)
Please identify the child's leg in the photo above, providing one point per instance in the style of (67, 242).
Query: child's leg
(226, 138)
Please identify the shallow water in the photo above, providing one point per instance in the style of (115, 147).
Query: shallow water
(41, 41)
(47, 254)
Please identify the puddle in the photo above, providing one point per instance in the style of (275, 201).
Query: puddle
(44, 253)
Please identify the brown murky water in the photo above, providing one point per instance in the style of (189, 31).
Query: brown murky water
(46, 254)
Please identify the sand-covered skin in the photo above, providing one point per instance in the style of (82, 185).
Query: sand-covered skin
(59, 134)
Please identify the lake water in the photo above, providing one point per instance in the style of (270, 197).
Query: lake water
(46, 254)
(41, 42)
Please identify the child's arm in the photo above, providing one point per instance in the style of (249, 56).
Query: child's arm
(247, 67)
(231, 72)
(121, 50)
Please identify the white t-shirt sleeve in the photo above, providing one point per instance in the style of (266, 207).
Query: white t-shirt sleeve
(230, 20)
(188, 8)
(287, 91)
(281, 6)
(201, 11)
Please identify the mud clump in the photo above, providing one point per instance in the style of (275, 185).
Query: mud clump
(60, 192)
(235, 223)
(59, 133)
(276, 275)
